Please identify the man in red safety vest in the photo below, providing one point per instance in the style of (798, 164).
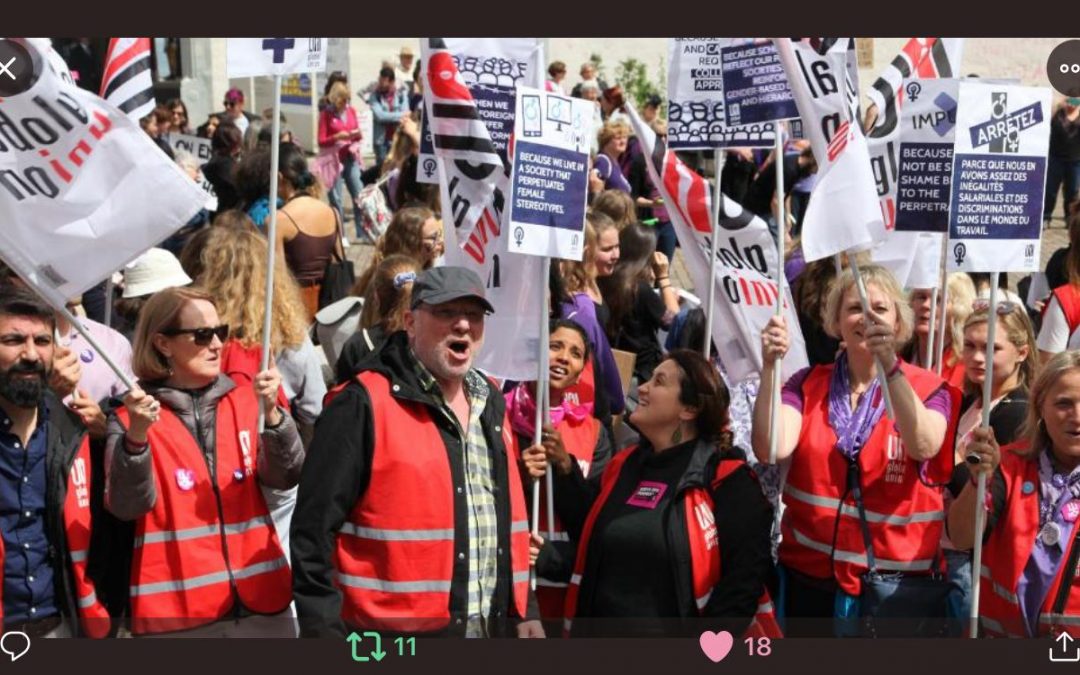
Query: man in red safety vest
(410, 516)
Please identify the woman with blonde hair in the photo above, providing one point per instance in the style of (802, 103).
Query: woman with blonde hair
(184, 456)
(848, 458)
(612, 138)
(579, 304)
(414, 231)
(385, 304)
(1016, 364)
(961, 291)
(339, 148)
(1029, 585)
(617, 205)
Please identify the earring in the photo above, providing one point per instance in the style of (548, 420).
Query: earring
(676, 437)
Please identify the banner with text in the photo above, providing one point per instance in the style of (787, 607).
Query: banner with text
(999, 178)
(746, 269)
(77, 177)
(844, 213)
(696, 118)
(549, 183)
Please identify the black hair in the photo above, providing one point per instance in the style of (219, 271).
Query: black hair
(556, 324)
(18, 301)
(701, 387)
(387, 72)
(226, 139)
(636, 245)
(294, 167)
(335, 77)
(253, 176)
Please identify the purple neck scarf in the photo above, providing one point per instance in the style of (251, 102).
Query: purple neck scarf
(1055, 491)
(853, 428)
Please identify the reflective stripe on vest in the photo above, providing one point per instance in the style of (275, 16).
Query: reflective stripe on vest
(209, 539)
(1000, 590)
(395, 556)
(871, 516)
(860, 558)
(995, 627)
(198, 532)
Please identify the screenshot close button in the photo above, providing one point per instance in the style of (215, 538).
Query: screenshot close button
(16, 68)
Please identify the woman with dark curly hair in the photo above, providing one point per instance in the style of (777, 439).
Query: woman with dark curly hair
(674, 535)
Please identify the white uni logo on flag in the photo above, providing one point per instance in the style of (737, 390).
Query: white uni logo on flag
(127, 83)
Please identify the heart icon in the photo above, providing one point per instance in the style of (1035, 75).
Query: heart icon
(716, 645)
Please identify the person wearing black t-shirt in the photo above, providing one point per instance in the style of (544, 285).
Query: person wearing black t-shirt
(638, 313)
(662, 514)
(762, 191)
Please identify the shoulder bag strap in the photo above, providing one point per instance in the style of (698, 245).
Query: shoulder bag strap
(1068, 574)
(855, 489)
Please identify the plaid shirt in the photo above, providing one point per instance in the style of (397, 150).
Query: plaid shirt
(480, 495)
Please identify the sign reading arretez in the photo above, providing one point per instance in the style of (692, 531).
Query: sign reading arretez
(251, 57)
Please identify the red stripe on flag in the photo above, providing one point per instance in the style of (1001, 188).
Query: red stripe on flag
(114, 62)
(697, 196)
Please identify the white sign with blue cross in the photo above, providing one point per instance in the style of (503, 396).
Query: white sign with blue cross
(252, 57)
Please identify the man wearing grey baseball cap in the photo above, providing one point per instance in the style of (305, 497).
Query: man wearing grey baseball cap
(410, 516)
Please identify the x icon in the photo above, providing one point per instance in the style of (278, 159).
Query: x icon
(5, 68)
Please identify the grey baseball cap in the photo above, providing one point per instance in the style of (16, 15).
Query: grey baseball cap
(445, 284)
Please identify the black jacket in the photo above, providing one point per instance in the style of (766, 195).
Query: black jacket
(1005, 419)
(65, 434)
(336, 475)
(743, 522)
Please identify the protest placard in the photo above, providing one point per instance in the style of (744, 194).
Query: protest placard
(755, 85)
(199, 148)
(549, 183)
(999, 178)
(251, 57)
(927, 127)
(696, 117)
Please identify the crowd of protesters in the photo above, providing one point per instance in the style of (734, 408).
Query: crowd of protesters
(382, 482)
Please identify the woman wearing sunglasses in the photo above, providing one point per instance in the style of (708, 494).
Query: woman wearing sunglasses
(1029, 585)
(1015, 367)
(185, 461)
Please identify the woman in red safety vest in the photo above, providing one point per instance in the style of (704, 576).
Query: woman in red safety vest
(673, 538)
(840, 443)
(186, 463)
(571, 426)
(1029, 585)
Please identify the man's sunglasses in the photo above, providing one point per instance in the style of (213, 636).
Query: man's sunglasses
(229, 104)
(203, 336)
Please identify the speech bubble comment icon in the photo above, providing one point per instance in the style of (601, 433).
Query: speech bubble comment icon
(15, 644)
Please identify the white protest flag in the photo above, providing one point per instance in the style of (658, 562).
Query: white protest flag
(920, 59)
(844, 213)
(474, 187)
(252, 57)
(127, 83)
(82, 189)
(747, 267)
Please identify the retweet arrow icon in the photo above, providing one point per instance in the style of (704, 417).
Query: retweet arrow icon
(354, 640)
(378, 654)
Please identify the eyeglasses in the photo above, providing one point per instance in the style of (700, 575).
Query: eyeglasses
(433, 239)
(453, 314)
(1003, 308)
(230, 104)
(203, 336)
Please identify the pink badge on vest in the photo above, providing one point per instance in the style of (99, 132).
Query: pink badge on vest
(648, 494)
(185, 479)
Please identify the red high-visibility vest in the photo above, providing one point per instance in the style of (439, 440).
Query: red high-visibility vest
(1006, 554)
(579, 439)
(905, 516)
(395, 552)
(1068, 297)
(209, 540)
(705, 562)
(93, 617)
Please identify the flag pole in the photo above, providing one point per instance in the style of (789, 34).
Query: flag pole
(939, 358)
(781, 230)
(928, 359)
(271, 235)
(980, 491)
(108, 301)
(719, 156)
(541, 396)
(864, 300)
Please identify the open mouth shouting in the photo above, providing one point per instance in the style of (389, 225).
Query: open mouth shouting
(460, 350)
